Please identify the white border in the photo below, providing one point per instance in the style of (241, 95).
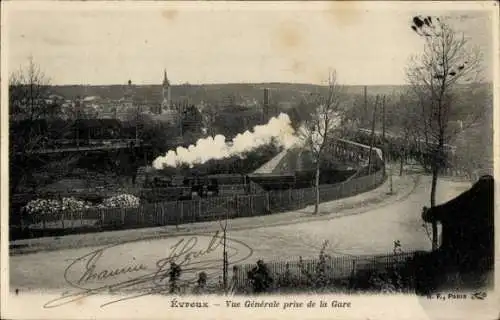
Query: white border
(364, 307)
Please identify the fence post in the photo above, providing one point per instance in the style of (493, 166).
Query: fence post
(123, 216)
(199, 207)
(71, 218)
(182, 208)
(268, 205)
(160, 213)
(251, 197)
(180, 218)
(102, 216)
(237, 206)
(281, 199)
(62, 218)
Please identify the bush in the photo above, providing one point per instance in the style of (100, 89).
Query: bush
(121, 201)
(386, 281)
(319, 279)
(42, 206)
(260, 277)
(74, 204)
(52, 206)
(49, 206)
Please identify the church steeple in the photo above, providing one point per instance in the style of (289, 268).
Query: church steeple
(165, 78)
(166, 103)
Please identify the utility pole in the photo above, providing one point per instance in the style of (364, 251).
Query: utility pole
(77, 105)
(224, 254)
(265, 111)
(372, 142)
(180, 115)
(365, 115)
(137, 124)
(386, 147)
(383, 118)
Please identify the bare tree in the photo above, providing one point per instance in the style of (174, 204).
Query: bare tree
(446, 62)
(323, 124)
(29, 101)
(27, 107)
(35, 117)
(405, 118)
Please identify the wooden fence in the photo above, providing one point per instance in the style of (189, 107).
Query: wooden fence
(204, 209)
(346, 271)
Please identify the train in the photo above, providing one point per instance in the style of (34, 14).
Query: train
(162, 186)
(419, 142)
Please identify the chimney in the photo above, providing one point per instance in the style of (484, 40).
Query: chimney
(266, 104)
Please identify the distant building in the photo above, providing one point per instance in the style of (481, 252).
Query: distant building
(166, 93)
(168, 111)
(134, 101)
(128, 98)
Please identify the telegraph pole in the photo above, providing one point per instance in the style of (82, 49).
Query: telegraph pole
(372, 142)
(78, 105)
(386, 147)
(365, 115)
(137, 124)
(224, 254)
(383, 118)
(265, 111)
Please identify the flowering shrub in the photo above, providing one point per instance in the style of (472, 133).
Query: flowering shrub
(42, 206)
(74, 204)
(121, 201)
(49, 206)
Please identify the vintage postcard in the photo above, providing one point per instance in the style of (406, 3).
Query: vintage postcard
(221, 160)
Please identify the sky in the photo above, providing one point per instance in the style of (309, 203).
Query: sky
(110, 43)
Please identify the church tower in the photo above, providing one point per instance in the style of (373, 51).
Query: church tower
(129, 95)
(167, 102)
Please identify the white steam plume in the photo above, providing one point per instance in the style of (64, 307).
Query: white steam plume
(278, 130)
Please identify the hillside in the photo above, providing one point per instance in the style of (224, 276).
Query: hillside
(225, 93)
(283, 94)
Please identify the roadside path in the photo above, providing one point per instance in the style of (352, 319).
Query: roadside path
(379, 197)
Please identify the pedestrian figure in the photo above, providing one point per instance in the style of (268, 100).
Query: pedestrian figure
(201, 283)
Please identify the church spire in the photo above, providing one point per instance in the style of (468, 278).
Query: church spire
(165, 78)
(166, 103)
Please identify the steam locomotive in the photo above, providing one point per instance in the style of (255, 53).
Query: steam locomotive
(186, 185)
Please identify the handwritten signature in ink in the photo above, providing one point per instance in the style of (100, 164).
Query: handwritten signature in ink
(192, 254)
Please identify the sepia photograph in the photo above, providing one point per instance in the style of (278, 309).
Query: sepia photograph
(167, 158)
